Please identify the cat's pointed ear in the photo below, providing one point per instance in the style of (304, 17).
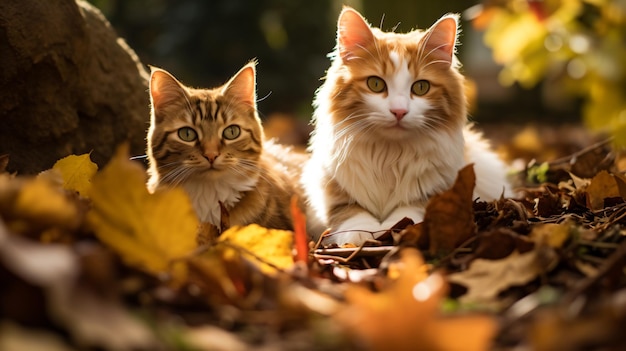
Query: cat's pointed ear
(165, 90)
(353, 33)
(440, 39)
(243, 85)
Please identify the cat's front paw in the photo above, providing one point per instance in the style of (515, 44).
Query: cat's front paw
(355, 230)
(363, 226)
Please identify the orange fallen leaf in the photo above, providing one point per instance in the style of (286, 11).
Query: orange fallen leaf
(299, 229)
(405, 315)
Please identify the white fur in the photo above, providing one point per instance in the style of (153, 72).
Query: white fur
(363, 226)
(391, 167)
(394, 57)
(491, 172)
(206, 193)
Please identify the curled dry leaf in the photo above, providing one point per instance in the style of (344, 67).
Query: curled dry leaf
(604, 186)
(149, 231)
(405, 314)
(449, 218)
(301, 238)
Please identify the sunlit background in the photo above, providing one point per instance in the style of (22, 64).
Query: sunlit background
(558, 61)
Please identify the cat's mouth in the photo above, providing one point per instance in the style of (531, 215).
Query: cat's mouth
(397, 126)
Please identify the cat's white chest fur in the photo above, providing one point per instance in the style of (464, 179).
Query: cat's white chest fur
(384, 175)
(206, 194)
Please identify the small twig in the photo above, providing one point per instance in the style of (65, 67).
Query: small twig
(351, 256)
(593, 259)
(618, 256)
(460, 249)
(598, 244)
(568, 158)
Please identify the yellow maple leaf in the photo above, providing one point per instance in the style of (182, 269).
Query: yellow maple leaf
(405, 315)
(77, 172)
(149, 231)
(262, 245)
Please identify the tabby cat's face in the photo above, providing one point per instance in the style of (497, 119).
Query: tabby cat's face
(396, 85)
(204, 133)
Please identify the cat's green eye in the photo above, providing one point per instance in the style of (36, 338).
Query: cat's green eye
(187, 134)
(421, 87)
(376, 84)
(231, 132)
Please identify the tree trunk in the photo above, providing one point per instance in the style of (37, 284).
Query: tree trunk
(68, 85)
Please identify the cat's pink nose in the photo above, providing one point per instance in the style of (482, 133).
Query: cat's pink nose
(399, 113)
(211, 156)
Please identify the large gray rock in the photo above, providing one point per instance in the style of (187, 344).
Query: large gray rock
(68, 85)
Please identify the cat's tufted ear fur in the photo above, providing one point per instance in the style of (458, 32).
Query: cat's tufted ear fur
(242, 86)
(165, 91)
(440, 39)
(353, 34)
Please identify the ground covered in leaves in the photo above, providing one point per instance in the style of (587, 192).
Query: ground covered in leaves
(90, 260)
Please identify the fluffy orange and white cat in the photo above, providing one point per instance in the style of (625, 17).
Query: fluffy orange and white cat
(391, 130)
(211, 143)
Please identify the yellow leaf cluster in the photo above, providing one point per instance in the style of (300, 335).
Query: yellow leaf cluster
(533, 39)
(149, 231)
(262, 246)
(35, 202)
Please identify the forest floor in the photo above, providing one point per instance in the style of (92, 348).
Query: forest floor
(90, 260)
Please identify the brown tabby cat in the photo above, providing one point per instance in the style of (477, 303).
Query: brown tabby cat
(391, 130)
(211, 142)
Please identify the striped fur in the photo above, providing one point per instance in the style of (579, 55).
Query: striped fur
(379, 156)
(247, 174)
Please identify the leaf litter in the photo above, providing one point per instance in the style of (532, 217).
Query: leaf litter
(90, 259)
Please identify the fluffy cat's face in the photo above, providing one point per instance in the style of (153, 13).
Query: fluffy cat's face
(204, 133)
(396, 85)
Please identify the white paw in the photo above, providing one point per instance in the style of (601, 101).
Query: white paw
(355, 230)
(414, 213)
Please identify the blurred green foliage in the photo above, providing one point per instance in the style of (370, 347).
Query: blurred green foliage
(204, 42)
(580, 43)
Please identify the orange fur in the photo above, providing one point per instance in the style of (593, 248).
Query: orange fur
(254, 178)
(379, 154)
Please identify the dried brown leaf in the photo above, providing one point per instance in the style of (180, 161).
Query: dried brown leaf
(449, 218)
(485, 279)
(602, 186)
(500, 243)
